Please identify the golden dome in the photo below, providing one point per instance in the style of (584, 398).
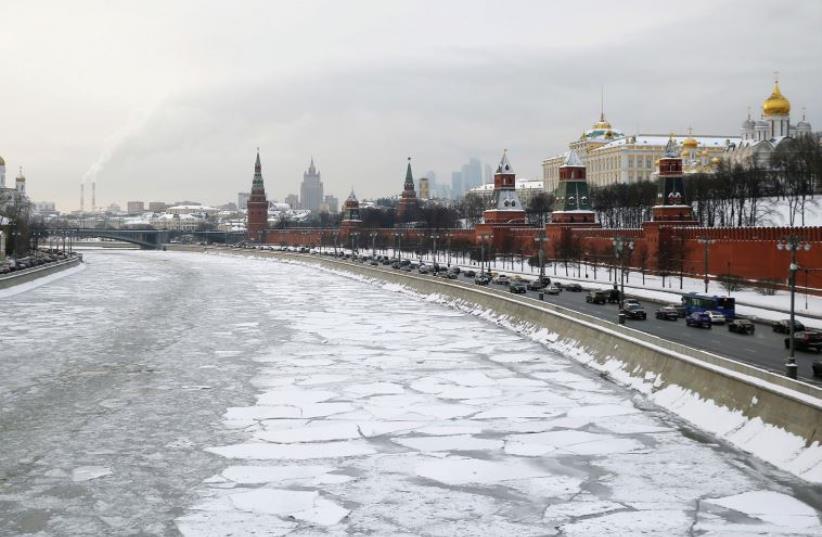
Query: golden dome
(776, 104)
(715, 160)
(602, 124)
(690, 143)
(684, 152)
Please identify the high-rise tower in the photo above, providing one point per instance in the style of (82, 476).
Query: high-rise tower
(257, 205)
(311, 190)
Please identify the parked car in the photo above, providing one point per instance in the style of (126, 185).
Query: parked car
(536, 285)
(716, 317)
(501, 279)
(573, 287)
(552, 290)
(597, 297)
(741, 326)
(699, 319)
(806, 340)
(469, 273)
(667, 313)
(517, 288)
(482, 279)
(634, 311)
(784, 326)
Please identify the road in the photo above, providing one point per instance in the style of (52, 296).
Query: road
(764, 349)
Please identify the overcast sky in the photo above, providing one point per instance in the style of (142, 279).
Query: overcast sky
(168, 100)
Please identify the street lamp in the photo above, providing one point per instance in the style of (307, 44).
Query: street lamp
(398, 252)
(336, 238)
(792, 244)
(373, 236)
(622, 245)
(541, 239)
(449, 236)
(705, 241)
(354, 238)
(483, 238)
(435, 237)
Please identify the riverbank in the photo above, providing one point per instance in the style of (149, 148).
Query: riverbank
(17, 282)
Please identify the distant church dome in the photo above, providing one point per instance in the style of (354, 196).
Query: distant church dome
(776, 104)
(690, 143)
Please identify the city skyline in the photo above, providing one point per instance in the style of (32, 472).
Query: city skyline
(160, 119)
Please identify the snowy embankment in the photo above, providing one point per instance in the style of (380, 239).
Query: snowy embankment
(773, 444)
(33, 284)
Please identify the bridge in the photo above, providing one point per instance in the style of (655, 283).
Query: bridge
(148, 238)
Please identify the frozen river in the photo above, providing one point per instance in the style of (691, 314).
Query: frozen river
(160, 393)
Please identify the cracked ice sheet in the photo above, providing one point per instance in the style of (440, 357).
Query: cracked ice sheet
(400, 419)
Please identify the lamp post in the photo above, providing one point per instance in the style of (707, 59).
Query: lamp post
(434, 237)
(483, 238)
(336, 238)
(373, 236)
(541, 239)
(354, 238)
(792, 244)
(705, 241)
(622, 245)
(448, 237)
(398, 251)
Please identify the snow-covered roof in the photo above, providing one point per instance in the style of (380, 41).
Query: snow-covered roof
(504, 164)
(661, 140)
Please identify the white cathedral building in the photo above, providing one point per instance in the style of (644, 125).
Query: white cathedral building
(761, 137)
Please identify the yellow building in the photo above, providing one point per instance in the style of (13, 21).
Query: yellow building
(612, 157)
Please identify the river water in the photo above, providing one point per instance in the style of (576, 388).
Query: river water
(160, 393)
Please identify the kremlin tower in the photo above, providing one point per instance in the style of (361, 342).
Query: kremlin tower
(506, 207)
(257, 205)
(408, 209)
(571, 196)
(350, 214)
(671, 206)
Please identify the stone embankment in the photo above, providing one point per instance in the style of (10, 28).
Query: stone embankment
(24, 276)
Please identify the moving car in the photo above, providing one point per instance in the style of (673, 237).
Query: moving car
(630, 301)
(634, 311)
(597, 297)
(502, 279)
(806, 340)
(536, 285)
(741, 326)
(573, 287)
(469, 273)
(699, 319)
(667, 313)
(552, 290)
(517, 288)
(784, 326)
(482, 279)
(716, 317)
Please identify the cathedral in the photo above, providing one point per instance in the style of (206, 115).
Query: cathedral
(761, 137)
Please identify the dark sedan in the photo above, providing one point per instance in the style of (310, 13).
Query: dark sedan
(634, 311)
(469, 273)
(784, 326)
(517, 288)
(482, 279)
(536, 285)
(573, 287)
(741, 326)
(699, 320)
(667, 313)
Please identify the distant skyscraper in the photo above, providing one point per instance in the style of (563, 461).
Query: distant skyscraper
(257, 205)
(471, 174)
(242, 199)
(457, 186)
(311, 190)
(425, 193)
(2, 173)
(486, 174)
(331, 203)
(293, 201)
(135, 207)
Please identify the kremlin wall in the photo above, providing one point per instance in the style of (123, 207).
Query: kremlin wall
(671, 242)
